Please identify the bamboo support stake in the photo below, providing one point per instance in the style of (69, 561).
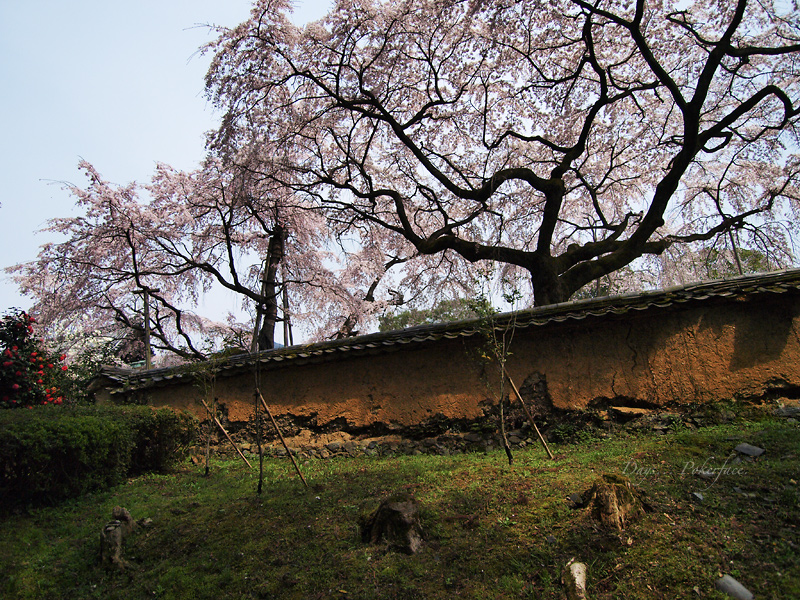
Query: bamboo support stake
(260, 450)
(226, 434)
(530, 417)
(208, 443)
(280, 435)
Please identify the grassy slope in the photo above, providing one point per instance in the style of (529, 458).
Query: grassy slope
(487, 526)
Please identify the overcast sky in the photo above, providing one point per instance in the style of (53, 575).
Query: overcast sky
(117, 83)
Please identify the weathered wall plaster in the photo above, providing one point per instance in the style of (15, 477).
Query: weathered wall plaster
(658, 356)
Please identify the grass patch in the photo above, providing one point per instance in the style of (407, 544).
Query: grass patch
(492, 531)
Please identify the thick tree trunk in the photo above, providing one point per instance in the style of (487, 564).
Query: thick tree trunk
(548, 287)
(266, 335)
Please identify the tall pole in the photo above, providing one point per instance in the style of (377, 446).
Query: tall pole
(148, 363)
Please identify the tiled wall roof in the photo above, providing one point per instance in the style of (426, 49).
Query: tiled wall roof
(746, 286)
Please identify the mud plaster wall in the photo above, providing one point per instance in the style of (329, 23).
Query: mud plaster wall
(709, 352)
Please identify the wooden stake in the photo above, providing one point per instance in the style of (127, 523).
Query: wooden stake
(260, 451)
(208, 442)
(280, 435)
(530, 417)
(226, 434)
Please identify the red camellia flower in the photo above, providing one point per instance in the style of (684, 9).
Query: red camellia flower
(64, 367)
(15, 386)
(8, 363)
(62, 357)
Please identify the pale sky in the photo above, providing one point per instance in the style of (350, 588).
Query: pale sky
(117, 83)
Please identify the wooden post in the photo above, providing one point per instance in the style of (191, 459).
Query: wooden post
(226, 434)
(260, 451)
(280, 435)
(208, 441)
(148, 361)
(530, 417)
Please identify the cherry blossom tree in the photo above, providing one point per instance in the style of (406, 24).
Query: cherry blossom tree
(560, 139)
(144, 255)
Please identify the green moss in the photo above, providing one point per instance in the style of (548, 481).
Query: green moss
(491, 531)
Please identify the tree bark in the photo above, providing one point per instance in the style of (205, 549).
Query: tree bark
(266, 335)
(548, 288)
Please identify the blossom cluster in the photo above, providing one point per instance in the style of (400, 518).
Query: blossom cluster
(29, 374)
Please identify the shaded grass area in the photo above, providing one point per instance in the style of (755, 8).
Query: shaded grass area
(492, 531)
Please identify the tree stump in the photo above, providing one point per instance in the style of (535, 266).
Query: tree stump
(112, 536)
(395, 521)
(615, 501)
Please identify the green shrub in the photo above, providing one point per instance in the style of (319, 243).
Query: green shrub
(48, 454)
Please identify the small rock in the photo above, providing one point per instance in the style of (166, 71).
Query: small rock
(749, 450)
(707, 475)
(575, 501)
(333, 447)
(473, 438)
(551, 539)
(513, 439)
(787, 411)
(574, 579)
(629, 411)
(728, 585)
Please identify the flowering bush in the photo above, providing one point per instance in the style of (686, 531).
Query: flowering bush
(29, 374)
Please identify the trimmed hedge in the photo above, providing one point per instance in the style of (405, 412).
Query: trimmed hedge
(51, 453)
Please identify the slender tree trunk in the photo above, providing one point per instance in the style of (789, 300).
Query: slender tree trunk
(266, 336)
(259, 309)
